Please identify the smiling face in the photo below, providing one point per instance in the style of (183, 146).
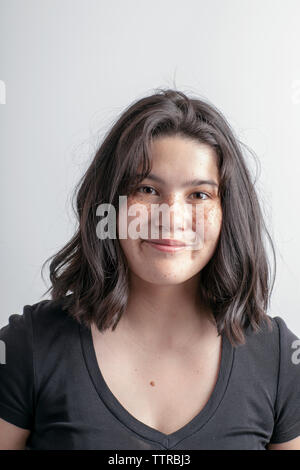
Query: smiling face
(176, 160)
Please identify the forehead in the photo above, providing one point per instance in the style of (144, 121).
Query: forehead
(182, 157)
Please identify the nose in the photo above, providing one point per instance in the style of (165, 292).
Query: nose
(178, 214)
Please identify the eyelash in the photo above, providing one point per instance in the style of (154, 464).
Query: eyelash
(197, 192)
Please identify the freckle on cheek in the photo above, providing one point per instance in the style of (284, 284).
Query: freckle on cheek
(212, 216)
(209, 220)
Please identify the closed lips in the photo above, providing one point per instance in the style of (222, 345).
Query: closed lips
(166, 242)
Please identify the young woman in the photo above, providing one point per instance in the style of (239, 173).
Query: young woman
(157, 342)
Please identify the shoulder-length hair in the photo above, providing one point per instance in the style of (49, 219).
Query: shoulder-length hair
(235, 283)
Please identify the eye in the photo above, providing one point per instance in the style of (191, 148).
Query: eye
(149, 188)
(200, 192)
(145, 187)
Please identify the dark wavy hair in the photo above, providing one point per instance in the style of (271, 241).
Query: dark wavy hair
(91, 275)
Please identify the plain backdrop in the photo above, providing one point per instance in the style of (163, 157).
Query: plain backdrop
(71, 66)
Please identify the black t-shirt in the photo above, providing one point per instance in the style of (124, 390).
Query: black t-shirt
(50, 383)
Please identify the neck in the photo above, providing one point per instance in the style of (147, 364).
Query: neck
(166, 317)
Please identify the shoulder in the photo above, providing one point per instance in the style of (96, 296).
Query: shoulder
(280, 337)
(50, 313)
(42, 319)
(262, 341)
(288, 344)
(274, 333)
(287, 405)
(53, 328)
(31, 345)
(274, 354)
(25, 341)
(286, 336)
(270, 351)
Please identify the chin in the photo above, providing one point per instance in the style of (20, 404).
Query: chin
(166, 279)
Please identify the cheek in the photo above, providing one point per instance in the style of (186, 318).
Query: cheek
(144, 216)
(210, 222)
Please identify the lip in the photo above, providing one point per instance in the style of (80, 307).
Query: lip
(167, 245)
(166, 241)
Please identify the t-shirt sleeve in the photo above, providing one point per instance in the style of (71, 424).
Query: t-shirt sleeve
(287, 404)
(17, 370)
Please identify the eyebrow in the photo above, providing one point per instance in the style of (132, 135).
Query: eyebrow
(194, 182)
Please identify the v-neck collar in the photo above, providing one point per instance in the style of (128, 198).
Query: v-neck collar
(140, 428)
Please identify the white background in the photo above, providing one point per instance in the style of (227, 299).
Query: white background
(71, 66)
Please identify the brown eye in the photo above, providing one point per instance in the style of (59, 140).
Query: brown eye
(145, 187)
(200, 192)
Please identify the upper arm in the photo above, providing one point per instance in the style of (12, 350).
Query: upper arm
(12, 437)
(293, 444)
(286, 430)
(17, 384)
